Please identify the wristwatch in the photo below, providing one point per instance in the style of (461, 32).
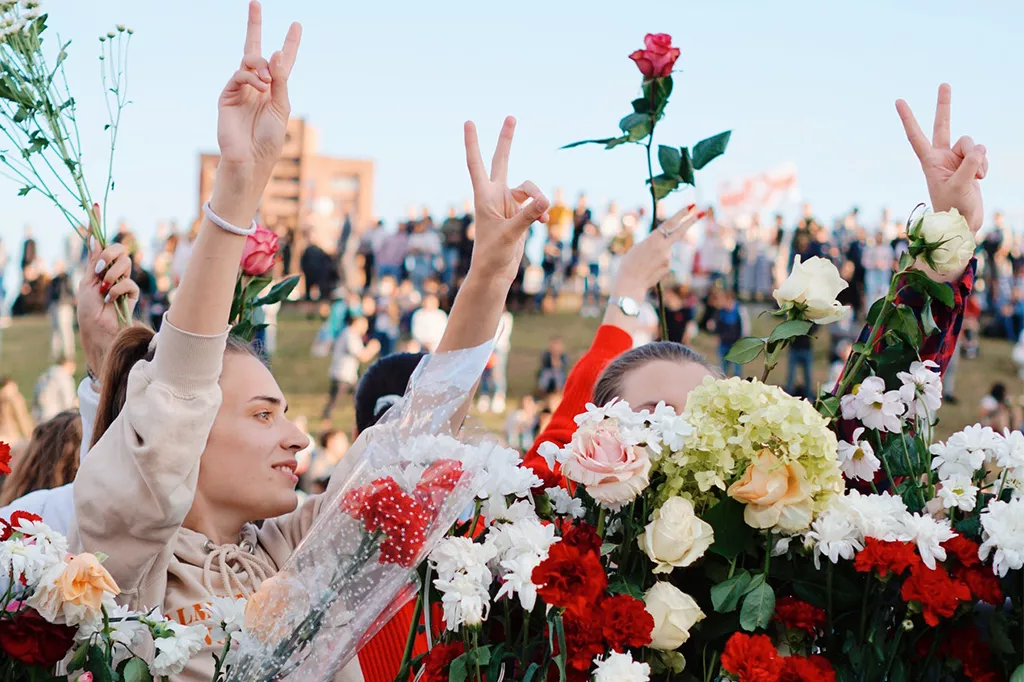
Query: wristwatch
(627, 305)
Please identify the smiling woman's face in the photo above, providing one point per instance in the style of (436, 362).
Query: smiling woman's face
(668, 381)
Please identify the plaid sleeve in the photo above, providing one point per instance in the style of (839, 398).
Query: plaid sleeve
(938, 347)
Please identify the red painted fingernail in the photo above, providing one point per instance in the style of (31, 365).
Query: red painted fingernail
(701, 214)
(691, 207)
(104, 287)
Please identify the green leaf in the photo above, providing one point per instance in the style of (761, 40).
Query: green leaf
(970, 527)
(616, 141)
(928, 319)
(1018, 674)
(875, 311)
(705, 151)
(903, 462)
(725, 596)
(637, 126)
(77, 661)
(686, 167)
(926, 285)
(641, 105)
(664, 185)
(790, 329)
(732, 534)
(457, 670)
(906, 325)
(530, 672)
(608, 141)
(999, 635)
(136, 670)
(670, 160)
(829, 407)
(256, 285)
(758, 608)
(898, 672)
(24, 190)
(745, 350)
(659, 91)
(619, 584)
(20, 115)
(279, 291)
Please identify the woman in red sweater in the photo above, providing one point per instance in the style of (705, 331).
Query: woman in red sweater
(666, 371)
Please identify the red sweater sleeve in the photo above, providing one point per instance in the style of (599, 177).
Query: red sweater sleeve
(381, 657)
(609, 343)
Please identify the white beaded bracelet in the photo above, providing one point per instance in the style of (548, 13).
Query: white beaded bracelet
(225, 225)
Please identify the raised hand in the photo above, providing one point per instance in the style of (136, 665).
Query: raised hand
(503, 216)
(649, 261)
(107, 278)
(253, 109)
(952, 173)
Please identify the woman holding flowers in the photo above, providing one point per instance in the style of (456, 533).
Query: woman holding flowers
(667, 372)
(193, 443)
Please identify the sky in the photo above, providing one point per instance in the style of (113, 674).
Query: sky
(809, 83)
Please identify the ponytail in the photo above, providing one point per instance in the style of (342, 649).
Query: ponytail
(130, 346)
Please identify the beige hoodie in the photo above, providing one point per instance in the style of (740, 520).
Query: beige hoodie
(133, 491)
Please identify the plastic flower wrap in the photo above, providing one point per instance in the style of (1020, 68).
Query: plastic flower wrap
(405, 482)
(760, 446)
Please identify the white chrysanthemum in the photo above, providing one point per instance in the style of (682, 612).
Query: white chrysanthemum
(173, 653)
(464, 600)
(966, 451)
(875, 516)
(565, 504)
(520, 548)
(958, 492)
(227, 616)
(496, 508)
(461, 555)
(928, 534)
(873, 406)
(921, 389)
(835, 536)
(620, 668)
(671, 429)
(1011, 454)
(503, 474)
(27, 561)
(1002, 525)
(857, 459)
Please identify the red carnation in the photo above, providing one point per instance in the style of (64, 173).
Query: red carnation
(975, 656)
(569, 577)
(965, 551)
(383, 505)
(435, 665)
(437, 481)
(752, 658)
(807, 669)
(937, 593)
(584, 640)
(799, 615)
(886, 557)
(584, 537)
(5, 459)
(658, 56)
(982, 582)
(625, 622)
(30, 639)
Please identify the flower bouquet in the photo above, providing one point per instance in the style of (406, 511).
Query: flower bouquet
(723, 543)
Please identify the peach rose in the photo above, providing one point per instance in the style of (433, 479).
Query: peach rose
(613, 473)
(84, 582)
(775, 494)
(278, 596)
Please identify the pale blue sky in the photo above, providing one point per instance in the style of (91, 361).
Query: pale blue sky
(806, 82)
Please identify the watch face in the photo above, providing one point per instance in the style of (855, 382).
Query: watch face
(629, 306)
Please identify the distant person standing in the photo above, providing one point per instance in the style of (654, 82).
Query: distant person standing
(499, 370)
(62, 314)
(611, 224)
(452, 233)
(424, 249)
(55, 390)
(349, 352)
(581, 217)
(730, 324)
(428, 323)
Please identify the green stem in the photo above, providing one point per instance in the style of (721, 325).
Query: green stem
(892, 652)
(600, 523)
(220, 661)
(654, 208)
(410, 640)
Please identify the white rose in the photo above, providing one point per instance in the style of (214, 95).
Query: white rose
(674, 613)
(952, 240)
(812, 287)
(675, 536)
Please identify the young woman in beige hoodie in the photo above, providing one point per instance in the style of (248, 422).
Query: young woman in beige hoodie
(192, 443)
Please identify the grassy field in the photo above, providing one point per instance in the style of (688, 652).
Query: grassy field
(25, 349)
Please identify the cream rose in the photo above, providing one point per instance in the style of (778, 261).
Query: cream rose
(279, 597)
(951, 240)
(674, 613)
(775, 494)
(612, 473)
(675, 536)
(812, 287)
(73, 593)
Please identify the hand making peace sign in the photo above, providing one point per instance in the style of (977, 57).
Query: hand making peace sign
(503, 216)
(952, 174)
(254, 107)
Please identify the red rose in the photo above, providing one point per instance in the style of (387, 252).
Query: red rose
(30, 639)
(583, 638)
(752, 658)
(570, 578)
(886, 557)
(625, 622)
(5, 458)
(799, 615)
(807, 669)
(260, 252)
(437, 481)
(658, 56)
(583, 537)
(435, 665)
(965, 551)
(935, 591)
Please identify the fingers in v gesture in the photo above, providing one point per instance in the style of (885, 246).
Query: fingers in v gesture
(952, 173)
(503, 215)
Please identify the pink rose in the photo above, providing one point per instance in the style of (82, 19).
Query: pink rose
(612, 473)
(260, 252)
(658, 56)
(85, 677)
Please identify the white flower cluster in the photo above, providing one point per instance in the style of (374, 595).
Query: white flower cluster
(175, 644)
(840, 532)
(464, 579)
(1002, 525)
(620, 668)
(17, 17)
(918, 397)
(962, 461)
